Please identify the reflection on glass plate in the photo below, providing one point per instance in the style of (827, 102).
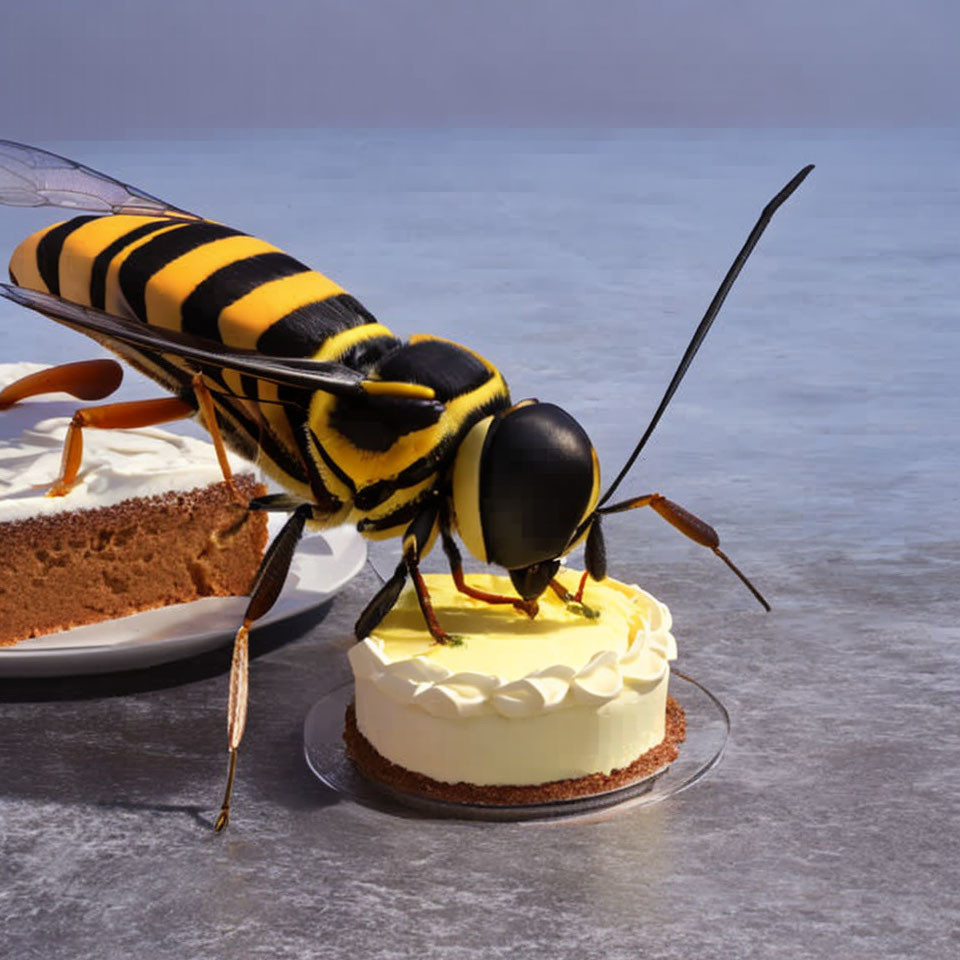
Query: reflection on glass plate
(323, 564)
(708, 725)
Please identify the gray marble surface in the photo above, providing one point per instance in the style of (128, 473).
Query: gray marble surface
(831, 821)
(817, 431)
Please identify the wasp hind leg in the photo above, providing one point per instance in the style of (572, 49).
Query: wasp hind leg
(90, 380)
(266, 588)
(122, 416)
(85, 380)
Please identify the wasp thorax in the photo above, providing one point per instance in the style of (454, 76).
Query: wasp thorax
(523, 482)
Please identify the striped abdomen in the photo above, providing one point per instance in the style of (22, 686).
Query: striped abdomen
(215, 282)
(369, 461)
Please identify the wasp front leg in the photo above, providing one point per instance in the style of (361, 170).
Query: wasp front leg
(209, 413)
(529, 607)
(574, 601)
(416, 542)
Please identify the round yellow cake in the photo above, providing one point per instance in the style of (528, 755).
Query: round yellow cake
(565, 700)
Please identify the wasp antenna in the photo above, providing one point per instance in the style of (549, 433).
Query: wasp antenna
(700, 333)
(689, 524)
(743, 579)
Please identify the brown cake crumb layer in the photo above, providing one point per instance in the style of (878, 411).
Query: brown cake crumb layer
(69, 569)
(378, 768)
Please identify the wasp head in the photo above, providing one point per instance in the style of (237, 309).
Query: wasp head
(525, 482)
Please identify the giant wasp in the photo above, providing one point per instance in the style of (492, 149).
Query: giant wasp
(414, 438)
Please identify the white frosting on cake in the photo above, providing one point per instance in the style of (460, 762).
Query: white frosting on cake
(521, 701)
(117, 465)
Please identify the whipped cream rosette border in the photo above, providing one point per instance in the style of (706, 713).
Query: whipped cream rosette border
(441, 692)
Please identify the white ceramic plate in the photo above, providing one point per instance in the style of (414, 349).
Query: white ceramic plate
(323, 564)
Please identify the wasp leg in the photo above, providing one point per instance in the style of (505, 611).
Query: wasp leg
(574, 601)
(578, 596)
(561, 591)
(529, 607)
(382, 603)
(85, 380)
(266, 588)
(123, 416)
(276, 503)
(426, 607)
(689, 525)
(416, 542)
(205, 403)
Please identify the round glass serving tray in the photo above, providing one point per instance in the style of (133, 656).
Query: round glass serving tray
(708, 725)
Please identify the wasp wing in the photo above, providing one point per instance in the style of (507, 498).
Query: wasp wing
(302, 374)
(30, 177)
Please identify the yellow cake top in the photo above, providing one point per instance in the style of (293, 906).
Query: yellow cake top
(499, 639)
(511, 663)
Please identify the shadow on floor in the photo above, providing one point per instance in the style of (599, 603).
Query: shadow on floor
(201, 667)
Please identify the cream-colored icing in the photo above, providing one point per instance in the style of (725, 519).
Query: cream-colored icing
(117, 464)
(520, 701)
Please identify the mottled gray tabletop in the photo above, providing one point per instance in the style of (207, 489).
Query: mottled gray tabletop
(817, 431)
(831, 820)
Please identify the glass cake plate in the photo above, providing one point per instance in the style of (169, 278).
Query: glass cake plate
(708, 725)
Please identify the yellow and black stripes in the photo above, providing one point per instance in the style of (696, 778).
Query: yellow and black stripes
(101, 263)
(376, 459)
(145, 263)
(200, 311)
(49, 249)
(302, 331)
(386, 457)
(163, 271)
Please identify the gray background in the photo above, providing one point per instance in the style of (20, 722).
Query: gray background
(113, 68)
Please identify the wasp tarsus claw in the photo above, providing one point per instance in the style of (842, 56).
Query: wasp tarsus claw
(582, 610)
(530, 607)
(236, 494)
(450, 640)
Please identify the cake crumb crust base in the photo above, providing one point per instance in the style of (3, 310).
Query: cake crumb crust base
(377, 768)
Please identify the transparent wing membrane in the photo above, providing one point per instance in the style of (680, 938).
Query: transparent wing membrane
(30, 177)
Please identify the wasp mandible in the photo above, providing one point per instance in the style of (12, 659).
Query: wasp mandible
(413, 438)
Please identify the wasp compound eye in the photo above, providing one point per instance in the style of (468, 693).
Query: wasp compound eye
(537, 481)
